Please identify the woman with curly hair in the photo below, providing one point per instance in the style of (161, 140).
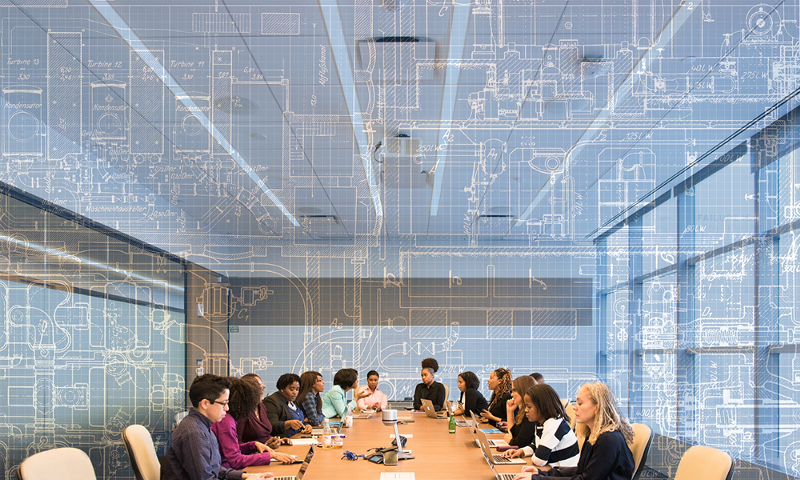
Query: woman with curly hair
(605, 454)
(429, 389)
(500, 385)
(245, 395)
(471, 399)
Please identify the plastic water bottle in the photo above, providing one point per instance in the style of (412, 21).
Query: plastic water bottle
(326, 434)
(348, 418)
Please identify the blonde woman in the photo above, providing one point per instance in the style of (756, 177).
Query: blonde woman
(500, 384)
(520, 428)
(605, 454)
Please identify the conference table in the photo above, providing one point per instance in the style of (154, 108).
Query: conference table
(438, 453)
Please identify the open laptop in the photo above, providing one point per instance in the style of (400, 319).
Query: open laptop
(303, 467)
(427, 407)
(493, 443)
(496, 458)
(498, 476)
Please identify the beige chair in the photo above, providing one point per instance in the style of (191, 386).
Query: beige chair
(642, 438)
(180, 416)
(570, 410)
(564, 402)
(61, 463)
(142, 453)
(705, 462)
(446, 392)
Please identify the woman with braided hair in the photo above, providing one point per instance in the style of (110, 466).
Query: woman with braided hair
(499, 383)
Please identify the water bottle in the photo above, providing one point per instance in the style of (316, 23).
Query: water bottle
(326, 434)
(348, 418)
(451, 425)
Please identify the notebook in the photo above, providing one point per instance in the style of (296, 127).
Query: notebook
(303, 467)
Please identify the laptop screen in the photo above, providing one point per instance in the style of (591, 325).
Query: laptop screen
(306, 462)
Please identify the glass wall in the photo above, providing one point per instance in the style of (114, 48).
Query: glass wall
(92, 338)
(710, 315)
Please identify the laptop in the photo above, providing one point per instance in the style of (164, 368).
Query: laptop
(496, 458)
(303, 467)
(493, 443)
(427, 407)
(498, 476)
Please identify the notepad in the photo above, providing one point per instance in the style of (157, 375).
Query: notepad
(304, 441)
(407, 435)
(397, 476)
(490, 430)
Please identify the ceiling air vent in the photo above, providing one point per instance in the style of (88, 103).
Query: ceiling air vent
(400, 59)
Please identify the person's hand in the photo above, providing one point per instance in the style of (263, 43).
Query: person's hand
(362, 393)
(523, 476)
(307, 428)
(293, 424)
(376, 406)
(530, 469)
(511, 405)
(274, 442)
(488, 416)
(514, 453)
(286, 441)
(261, 447)
(257, 476)
(282, 457)
(458, 412)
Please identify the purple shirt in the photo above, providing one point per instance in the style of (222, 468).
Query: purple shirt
(234, 454)
(255, 428)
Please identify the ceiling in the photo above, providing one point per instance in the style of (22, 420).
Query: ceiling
(202, 127)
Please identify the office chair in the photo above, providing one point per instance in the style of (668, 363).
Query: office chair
(139, 445)
(62, 463)
(705, 462)
(642, 438)
(446, 392)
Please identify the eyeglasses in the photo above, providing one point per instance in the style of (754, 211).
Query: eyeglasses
(224, 404)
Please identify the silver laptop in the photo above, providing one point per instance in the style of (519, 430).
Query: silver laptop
(490, 441)
(427, 407)
(496, 458)
(498, 476)
(303, 467)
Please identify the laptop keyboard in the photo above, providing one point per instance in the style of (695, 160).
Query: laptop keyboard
(506, 476)
(500, 459)
(285, 478)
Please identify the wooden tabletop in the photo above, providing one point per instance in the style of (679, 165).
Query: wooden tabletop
(438, 454)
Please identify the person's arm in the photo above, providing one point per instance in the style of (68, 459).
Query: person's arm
(418, 396)
(193, 452)
(471, 402)
(273, 415)
(523, 434)
(232, 451)
(439, 397)
(309, 406)
(602, 457)
(338, 402)
(363, 404)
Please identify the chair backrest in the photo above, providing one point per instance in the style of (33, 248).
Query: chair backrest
(704, 462)
(61, 463)
(564, 402)
(446, 392)
(642, 438)
(180, 416)
(142, 453)
(570, 410)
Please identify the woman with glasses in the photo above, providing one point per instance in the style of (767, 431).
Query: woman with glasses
(244, 396)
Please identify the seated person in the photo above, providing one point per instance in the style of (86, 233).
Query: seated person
(538, 377)
(522, 429)
(429, 389)
(284, 414)
(311, 386)
(244, 396)
(471, 399)
(334, 403)
(605, 454)
(194, 451)
(500, 384)
(555, 443)
(376, 400)
(256, 427)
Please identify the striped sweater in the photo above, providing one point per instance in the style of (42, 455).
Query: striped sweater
(554, 444)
